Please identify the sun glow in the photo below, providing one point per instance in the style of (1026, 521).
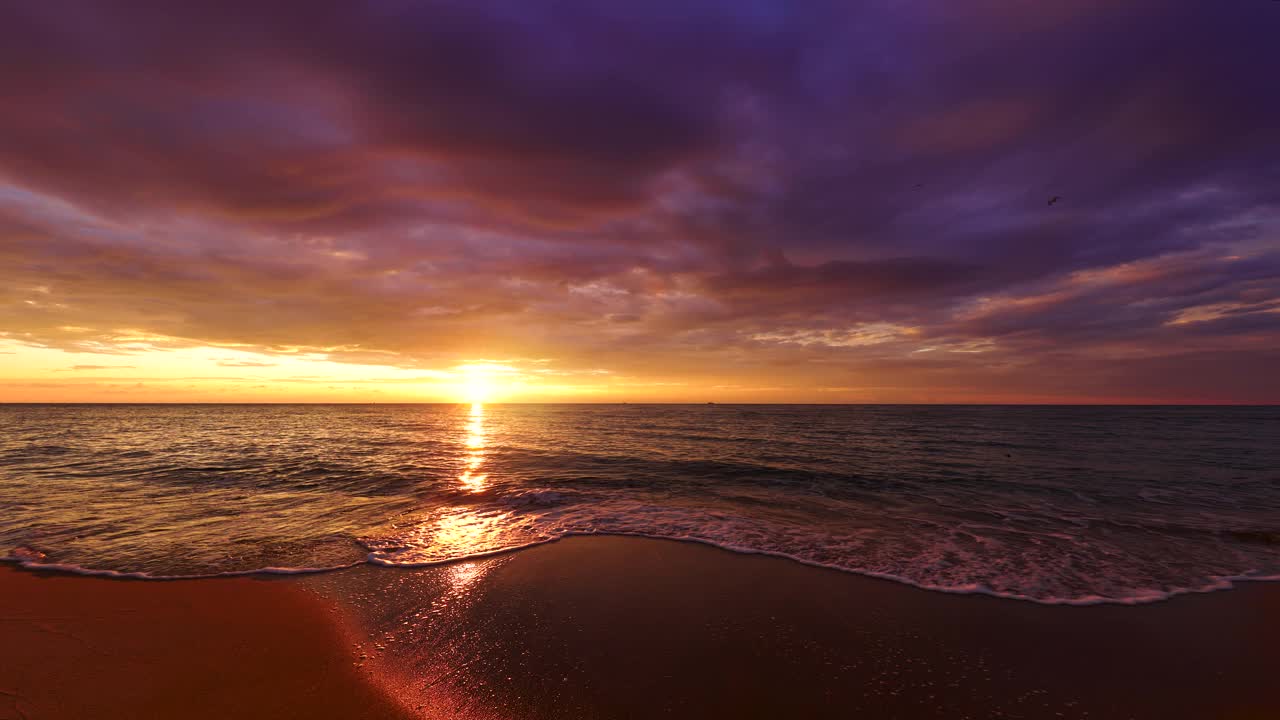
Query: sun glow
(477, 389)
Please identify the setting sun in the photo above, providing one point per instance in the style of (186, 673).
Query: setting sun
(477, 389)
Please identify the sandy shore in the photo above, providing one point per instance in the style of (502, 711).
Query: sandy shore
(84, 647)
(618, 628)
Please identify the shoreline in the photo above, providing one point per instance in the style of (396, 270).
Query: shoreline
(626, 627)
(1221, 583)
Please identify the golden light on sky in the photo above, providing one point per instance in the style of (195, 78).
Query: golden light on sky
(135, 366)
(479, 385)
(148, 368)
(678, 216)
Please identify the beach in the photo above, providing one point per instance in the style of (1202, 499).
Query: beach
(615, 627)
(87, 647)
(581, 360)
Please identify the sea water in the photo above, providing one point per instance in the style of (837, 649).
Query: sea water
(1055, 504)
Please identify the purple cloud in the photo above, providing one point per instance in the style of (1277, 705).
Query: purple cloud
(847, 195)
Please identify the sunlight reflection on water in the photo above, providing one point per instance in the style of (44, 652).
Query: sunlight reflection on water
(472, 479)
(1050, 503)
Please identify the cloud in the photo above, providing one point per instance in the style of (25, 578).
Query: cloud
(245, 363)
(667, 191)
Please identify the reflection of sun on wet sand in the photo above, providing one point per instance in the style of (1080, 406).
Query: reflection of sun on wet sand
(603, 627)
(608, 627)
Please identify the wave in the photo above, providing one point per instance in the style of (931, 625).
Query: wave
(1145, 597)
(1053, 506)
(29, 559)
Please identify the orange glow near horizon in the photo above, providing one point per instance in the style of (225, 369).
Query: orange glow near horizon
(478, 388)
(165, 370)
(139, 367)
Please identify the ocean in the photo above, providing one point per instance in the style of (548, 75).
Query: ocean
(1053, 504)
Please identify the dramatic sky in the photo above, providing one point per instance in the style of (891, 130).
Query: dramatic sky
(730, 200)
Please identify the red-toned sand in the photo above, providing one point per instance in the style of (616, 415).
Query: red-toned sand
(95, 649)
(621, 628)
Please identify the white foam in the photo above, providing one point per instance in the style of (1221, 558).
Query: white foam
(1137, 596)
(126, 575)
(1219, 583)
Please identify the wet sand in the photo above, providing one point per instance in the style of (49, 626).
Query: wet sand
(622, 628)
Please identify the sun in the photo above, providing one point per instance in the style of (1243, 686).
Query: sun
(477, 389)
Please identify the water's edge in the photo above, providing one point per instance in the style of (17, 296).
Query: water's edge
(1220, 584)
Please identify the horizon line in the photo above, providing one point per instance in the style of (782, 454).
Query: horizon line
(695, 403)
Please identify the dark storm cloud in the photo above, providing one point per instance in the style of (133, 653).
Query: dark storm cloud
(645, 184)
(330, 109)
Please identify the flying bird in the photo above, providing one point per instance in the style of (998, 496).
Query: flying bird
(1054, 199)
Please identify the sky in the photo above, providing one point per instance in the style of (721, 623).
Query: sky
(659, 201)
